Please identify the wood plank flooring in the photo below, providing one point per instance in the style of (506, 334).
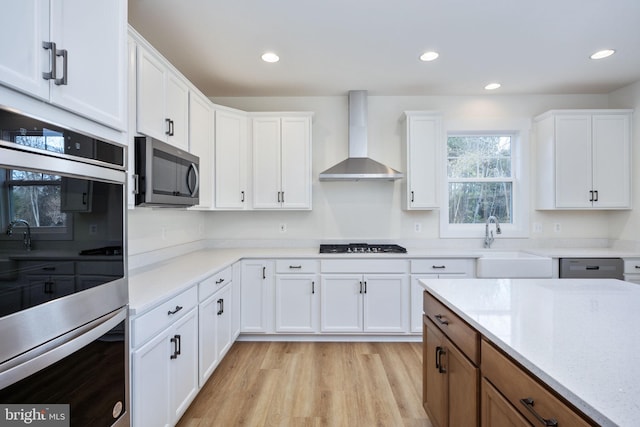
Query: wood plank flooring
(313, 384)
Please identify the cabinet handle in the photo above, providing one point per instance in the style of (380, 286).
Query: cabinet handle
(637, 266)
(439, 352)
(64, 54)
(48, 268)
(412, 198)
(360, 286)
(176, 346)
(295, 267)
(283, 197)
(278, 197)
(440, 318)
(596, 193)
(365, 286)
(167, 122)
(177, 309)
(592, 267)
(220, 306)
(48, 287)
(438, 267)
(219, 281)
(51, 74)
(528, 403)
(591, 199)
(313, 287)
(264, 273)
(242, 196)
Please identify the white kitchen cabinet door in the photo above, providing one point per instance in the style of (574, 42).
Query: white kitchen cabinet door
(281, 162)
(612, 160)
(386, 303)
(573, 161)
(207, 336)
(201, 144)
(184, 366)
(256, 296)
(230, 160)
(297, 303)
(295, 155)
(90, 41)
(235, 298)
(162, 103)
(23, 60)
(224, 302)
(422, 141)
(151, 382)
(266, 163)
(341, 303)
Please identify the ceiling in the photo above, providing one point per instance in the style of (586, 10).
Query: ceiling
(328, 47)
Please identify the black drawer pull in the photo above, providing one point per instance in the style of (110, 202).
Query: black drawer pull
(295, 267)
(440, 318)
(176, 346)
(593, 267)
(438, 267)
(528, 403)
(439, 352)
(177, 309)
(219, 281)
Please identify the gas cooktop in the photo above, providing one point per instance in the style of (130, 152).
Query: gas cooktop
(362, 248)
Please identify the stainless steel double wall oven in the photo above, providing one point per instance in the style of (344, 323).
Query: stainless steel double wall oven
(63, 285)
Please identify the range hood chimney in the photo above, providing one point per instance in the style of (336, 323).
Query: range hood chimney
(358, 166)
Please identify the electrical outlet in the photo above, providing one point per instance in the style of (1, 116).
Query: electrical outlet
(557, 228)
(93, 228)
(417, 227)
(283, 228)
(537, 227)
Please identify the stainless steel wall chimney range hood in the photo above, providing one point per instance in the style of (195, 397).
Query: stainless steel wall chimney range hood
(358, 166)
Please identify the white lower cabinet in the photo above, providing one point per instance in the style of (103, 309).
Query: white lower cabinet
(297, 296)
(165, 369)
(215, 330)
(256, 294)
(437, 268)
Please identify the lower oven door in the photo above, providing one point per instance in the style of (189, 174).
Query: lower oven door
(86, 369)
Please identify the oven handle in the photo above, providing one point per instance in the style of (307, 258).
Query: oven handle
(49, 353)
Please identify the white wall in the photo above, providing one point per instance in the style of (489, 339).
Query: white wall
(372, 210)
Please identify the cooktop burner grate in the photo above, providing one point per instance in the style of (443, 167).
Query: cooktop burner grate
(360, 248)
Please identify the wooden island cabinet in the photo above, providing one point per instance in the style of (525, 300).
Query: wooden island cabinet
(468, 381)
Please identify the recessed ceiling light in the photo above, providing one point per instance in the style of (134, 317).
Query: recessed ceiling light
(429, 56)
(603, 54)
(492, 86)
(270, 57)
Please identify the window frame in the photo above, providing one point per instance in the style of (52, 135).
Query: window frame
(519, 131)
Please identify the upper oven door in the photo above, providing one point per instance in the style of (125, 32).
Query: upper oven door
(62, 246)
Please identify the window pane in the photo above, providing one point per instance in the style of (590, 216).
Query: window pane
(474, 202)
(35, 197)
(479, 156)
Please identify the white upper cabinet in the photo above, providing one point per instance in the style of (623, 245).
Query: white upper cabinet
(201, 143)
(231, 160)
(69, 53)
(281, 161)
(421, 143)
(583, 159)
(162, 102)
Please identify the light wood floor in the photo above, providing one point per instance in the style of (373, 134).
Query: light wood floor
(313, 384)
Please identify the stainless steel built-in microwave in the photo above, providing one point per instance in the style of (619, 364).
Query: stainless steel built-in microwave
(166, 175)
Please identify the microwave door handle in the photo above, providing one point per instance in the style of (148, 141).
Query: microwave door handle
(47, 354)
(195, 171)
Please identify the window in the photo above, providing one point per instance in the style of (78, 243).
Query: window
(484, 178)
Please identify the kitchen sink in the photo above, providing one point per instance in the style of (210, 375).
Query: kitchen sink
(513, 264)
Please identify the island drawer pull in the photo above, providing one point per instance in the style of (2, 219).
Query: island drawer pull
(438, 267)
(177, 309)
(440, 318)
(439, 352)
(528, 403)
(295, 267)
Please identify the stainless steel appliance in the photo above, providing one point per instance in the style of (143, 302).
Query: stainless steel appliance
(361, 248)
(591, 268)
(165, 175)
(63, 286)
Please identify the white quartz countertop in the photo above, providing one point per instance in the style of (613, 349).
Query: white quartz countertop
(581, 337)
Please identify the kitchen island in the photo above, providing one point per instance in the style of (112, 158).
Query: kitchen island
(578, 337)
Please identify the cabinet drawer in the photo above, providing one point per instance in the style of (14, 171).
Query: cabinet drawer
(443, 266)
(517, 386)
(212, 283)
(632, 266)
(149, 324)
(459, 332)
(296, 266)
(364, 266)
(47, 267)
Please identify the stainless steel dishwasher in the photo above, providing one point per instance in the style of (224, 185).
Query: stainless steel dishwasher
(591, 268)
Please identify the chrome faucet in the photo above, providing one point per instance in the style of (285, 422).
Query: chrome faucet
(26, 235)
(488, 235)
